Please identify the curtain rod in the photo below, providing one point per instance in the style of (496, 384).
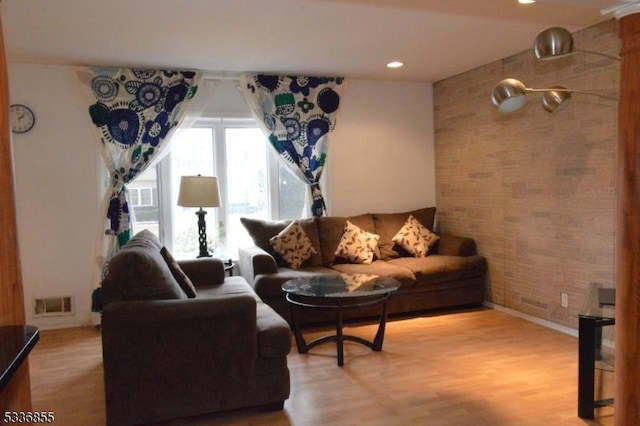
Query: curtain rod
(233, 76)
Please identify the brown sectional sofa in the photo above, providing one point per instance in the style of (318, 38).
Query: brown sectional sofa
(167, 355)
(453, 275)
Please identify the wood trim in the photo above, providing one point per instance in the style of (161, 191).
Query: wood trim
(627, 375)
(17, 395)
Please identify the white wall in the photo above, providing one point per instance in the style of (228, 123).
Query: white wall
(381, 160)
(56, 191)
(381, 155)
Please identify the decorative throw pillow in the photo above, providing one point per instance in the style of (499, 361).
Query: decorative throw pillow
(183, 280)
(293, 244)
(356, 245)
(415, 238)
(387, 225)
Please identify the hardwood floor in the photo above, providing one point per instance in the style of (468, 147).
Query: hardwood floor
(480, 367)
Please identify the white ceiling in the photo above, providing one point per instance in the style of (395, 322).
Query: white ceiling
(352, 38)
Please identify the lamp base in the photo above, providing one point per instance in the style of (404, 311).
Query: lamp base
(202, 234)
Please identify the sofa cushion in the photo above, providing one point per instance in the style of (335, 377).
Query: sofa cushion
(379, 267)
(183, 280)
(232, 286)
(293, 245)
(387, 226)
(269, 285)
(330, 230)
(415, 238)
(139, 272)
(261, 231)
(357, 245)
(438, 268)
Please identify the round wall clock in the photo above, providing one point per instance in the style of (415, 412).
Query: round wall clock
(22, 118)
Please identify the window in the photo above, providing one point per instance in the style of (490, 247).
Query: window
(141, 197)
(252, 184)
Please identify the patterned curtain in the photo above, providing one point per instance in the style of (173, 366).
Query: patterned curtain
(134, 114)
(297, 114)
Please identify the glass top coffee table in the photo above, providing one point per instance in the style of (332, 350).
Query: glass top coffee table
(339, 293)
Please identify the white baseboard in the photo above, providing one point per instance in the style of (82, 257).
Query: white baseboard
(545, 323)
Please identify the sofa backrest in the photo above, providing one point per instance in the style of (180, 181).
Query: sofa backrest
(325, 233)
(139, 272)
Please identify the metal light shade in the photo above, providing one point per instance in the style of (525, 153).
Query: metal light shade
(509, 95)
(554, 101)
(554, 42)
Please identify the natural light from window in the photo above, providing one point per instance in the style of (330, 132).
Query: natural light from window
(191, 155)
(253, 183)
(247, 182)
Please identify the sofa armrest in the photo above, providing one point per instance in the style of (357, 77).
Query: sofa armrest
(451, 245)
(203, 271)
(166, 354)
(253, 261)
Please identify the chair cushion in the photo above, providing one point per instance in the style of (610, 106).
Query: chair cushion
(144, 238)
(139, 272)
(232, 286)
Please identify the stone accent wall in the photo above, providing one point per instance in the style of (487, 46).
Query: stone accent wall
(536, 190)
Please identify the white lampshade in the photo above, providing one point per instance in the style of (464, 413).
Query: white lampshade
(199, 191)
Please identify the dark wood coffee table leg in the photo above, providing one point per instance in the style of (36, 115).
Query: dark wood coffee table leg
(339, 337)
(377, 341)
(297, 332)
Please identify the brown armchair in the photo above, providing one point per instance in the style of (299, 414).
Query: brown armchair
(179, 357)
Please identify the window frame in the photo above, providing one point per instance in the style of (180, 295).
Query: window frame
(220, 214)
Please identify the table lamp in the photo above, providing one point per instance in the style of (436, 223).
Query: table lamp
(200, 191)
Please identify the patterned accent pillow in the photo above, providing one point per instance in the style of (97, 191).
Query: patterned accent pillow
(356, 245)
(183, 280)
(293, 244)
(415, 238)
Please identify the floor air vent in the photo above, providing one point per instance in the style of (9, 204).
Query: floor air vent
(52, 306)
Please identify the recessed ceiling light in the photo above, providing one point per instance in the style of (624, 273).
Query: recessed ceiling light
(395, 64)
(526, 1)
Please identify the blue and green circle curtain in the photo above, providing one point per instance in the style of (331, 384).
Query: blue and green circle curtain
(297, 113)
(134, 112)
